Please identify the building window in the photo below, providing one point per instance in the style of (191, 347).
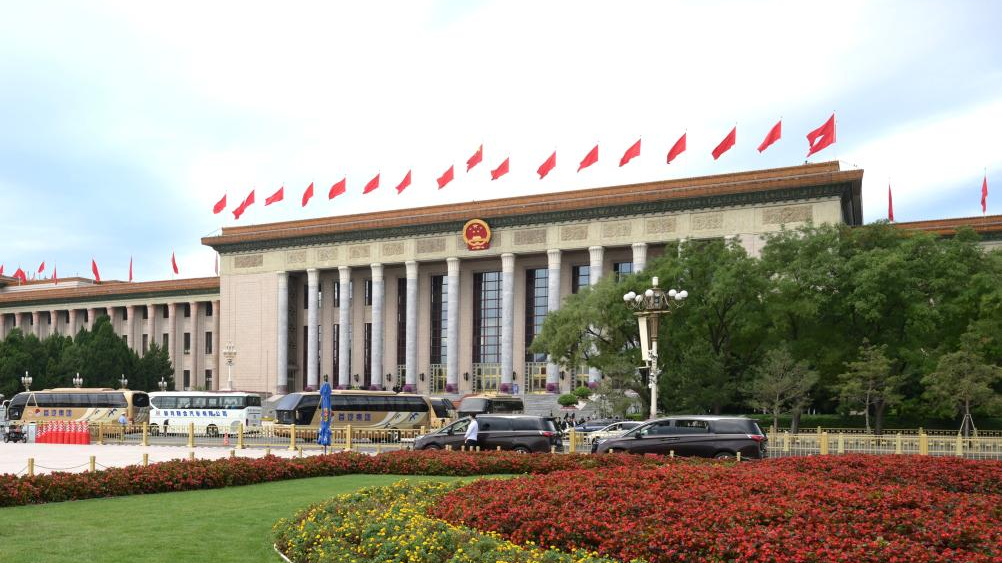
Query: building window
(208, 379)
(208, 342)
(166, 341)
(622, 269)
(146, 343)
(401, 320)
(580, 277)
(337, 294)
(367, 350)
(208, 309)
(146, 313)
(187, 343)
(187, 310)
(187, 379)
(439, 319)
(536, 293)
(125, 339)
(306, 297)
(368, 293)
(337, 349)
(125, 314)
(167, 312)
(487, 317)
(51, 318)
(306, 343)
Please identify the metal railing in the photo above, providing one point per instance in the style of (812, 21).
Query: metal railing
(784, 444)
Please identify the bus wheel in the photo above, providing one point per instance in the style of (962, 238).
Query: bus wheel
(212, 431)
(154, 430)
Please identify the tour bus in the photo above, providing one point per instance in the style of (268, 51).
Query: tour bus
(443, 411)
(369, 409)
(80, 405)
(491, 403)
(212, 413)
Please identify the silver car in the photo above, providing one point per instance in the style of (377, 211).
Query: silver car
(614, 429)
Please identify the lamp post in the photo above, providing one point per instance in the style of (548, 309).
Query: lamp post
(648, 308)
(26, 381)
(78, 381)
(230, 353)
(123, 382)
(162, 384)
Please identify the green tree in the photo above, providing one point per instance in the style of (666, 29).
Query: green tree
(103, 356)
(154, 365)
(870, 382)
(963, 380)
(781, 383)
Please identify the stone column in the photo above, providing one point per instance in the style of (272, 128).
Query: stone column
(172, 345)
(151, 325)
(507, 320)
(53, 322)
(282, 338)
(130, 329)
(412, 324)
(552, 304)
(312, 313)
(344, 328)
(452, 330)
(72, 328)
(36, 324)
(376, 351)
(594, 276)
(91, 317)
(639, 256)
(216, 353)
(196, 372)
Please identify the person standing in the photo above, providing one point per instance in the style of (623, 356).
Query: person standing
(472, 431)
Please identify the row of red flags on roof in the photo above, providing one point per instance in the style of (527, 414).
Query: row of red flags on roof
(22, 277)
(984, 199)
(817, 140)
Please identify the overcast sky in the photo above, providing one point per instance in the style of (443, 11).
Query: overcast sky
(122, 123)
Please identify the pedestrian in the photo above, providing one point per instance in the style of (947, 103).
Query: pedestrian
(472, 431)
(166, 422)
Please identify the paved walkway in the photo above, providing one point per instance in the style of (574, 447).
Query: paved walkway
(76, 458)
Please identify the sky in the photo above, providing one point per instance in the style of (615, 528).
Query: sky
(122, 123)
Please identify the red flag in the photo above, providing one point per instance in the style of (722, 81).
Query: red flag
(373, 184)
(219, 206)
(588, 160)
(500, 170)
(984, 195)
(890, 205)
(244, 205)
(1, 269)
(548, 165)
(173, 262)
(308, 194)
(630, 154)
(404, 183)
(822, 136)
(41, 267)
(677, 149)
(55, 276)
(475, 159)
(277, 196)
(774, 135)
(130, 268)
(726, 144)
(20, 275)
(445, 178)
(95, 271)
(338, 188)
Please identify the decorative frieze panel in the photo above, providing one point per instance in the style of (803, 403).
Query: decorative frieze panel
(295, 257)
(395, 248)
(573, 232)
(359, 251)
(248, 261)
(530, 236)
(617, 230)
(430, 245)
(327, 254)
(707, 221)
(660, 225)
(787, 214)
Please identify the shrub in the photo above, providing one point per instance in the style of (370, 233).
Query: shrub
(567, 400)
(583, 392)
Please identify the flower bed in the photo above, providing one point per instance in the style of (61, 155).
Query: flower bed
(821, 509)
(203, 474)
(385, 524)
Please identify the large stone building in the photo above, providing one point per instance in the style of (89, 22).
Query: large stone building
(421, 297)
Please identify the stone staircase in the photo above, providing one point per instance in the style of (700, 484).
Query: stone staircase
(545, 404)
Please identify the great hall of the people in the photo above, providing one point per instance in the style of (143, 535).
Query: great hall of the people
(440, 300)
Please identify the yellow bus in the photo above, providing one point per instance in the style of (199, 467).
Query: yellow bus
(364, 409)
(79, 405)
(489, 403)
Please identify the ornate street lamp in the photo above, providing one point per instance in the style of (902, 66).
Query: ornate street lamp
(123, 382)
(648, 307)
(162, 384)
(26, 381)
(230, 353)
(78, 381)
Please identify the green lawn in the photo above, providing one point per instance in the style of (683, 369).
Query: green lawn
(232, 524)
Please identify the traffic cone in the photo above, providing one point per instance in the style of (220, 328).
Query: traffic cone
(78, 434)
(61, 433)
(86, 433)
(40, 437)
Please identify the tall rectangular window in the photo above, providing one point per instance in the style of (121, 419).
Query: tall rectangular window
(146, 312)
(208, 379)
(208, 342)
(306, 345)
(401, 320)
(367, 350)
(368, 293)
(125, 315)
(166, 340)
(187, 310)
(337, 294)
(337, 350)
(439, 319)
(166, 310)
(187, 342)
(187, 379)
(622, 269)
(306, 297)
(487, 317)
(580, 277)
(536, 293)
(146, 343)
(208, 309)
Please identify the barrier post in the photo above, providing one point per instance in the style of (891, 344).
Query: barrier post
(897, 443)
(448, 448)
(292, 437)
(553, 449)
(671, 454)
(146, 459)
(786, 441)
(191, 434)
(923, 443)
(100, 433)
(233, 453)
(823, 444)
(191, 455)
(146, 433)
(571, 434)
(739, 457)
(300, 451)
(31, 467)
(347, 438)
(960, 446)
(267, 451)
(841, 443)
(423, 431)
(93, 463)
(240, 436)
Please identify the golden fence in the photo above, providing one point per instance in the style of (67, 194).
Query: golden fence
(836, 442)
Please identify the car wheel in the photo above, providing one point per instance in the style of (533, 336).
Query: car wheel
(212, 431)
(432, 447)
(723, 455)
(521, 450)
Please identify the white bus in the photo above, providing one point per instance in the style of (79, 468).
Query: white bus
(212, 413)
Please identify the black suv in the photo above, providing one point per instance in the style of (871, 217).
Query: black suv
(699, 436)
(517, 432)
